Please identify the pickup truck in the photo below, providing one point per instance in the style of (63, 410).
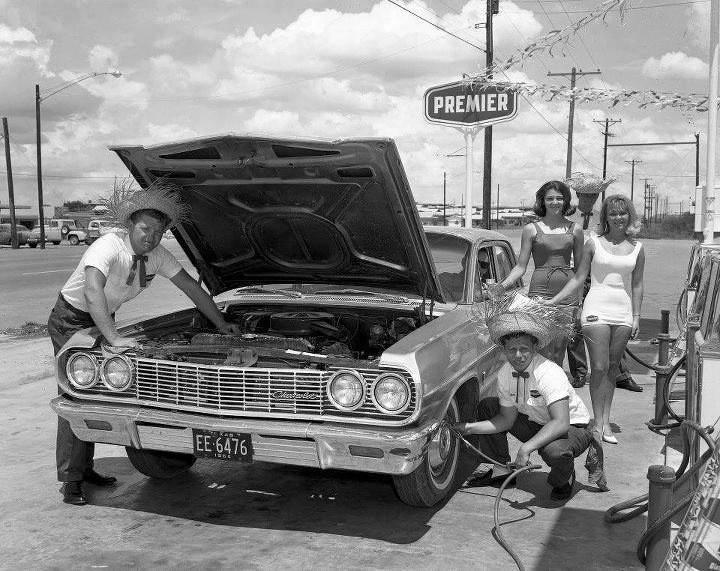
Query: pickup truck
(56, 230)
(97, 228)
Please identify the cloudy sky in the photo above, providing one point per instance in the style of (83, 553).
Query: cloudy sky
(342, 68)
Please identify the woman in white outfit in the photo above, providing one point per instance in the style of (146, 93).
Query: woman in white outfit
(611, 310)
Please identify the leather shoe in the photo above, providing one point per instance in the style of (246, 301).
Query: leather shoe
(92, 477)
(73, 493)
(565, 491)
(629, 385)
(578, 382)
(487, 479)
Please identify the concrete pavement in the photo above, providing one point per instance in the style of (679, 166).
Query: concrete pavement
(223, 515)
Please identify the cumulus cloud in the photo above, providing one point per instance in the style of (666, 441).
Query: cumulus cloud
(675, 65)
(17, 44)
(103, 58)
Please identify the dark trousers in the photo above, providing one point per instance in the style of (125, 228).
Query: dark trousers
(559, 454)
(73, 456)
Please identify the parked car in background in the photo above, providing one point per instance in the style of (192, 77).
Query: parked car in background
(56, 230)
(358, 342)
(97, 228)
(5, 235)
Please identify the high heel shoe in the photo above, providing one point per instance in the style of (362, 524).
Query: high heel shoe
(609, 438)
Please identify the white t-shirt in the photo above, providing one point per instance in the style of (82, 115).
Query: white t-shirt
(546, 384)
(112, 254)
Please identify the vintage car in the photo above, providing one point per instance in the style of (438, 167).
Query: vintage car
(358, 332)
(21, 232)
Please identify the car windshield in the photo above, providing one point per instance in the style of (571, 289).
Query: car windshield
(449, 255)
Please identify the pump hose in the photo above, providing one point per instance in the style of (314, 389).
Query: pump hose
(640, 503)
(666, 399)
(496, 512)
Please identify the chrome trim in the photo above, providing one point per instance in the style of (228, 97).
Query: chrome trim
(128, 364)
(157, 385)
(382, 408)
(363, 385)
(322, 445)
(73, 358)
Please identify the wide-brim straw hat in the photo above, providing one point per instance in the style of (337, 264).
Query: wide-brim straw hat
(517, 313)
(160, 195)
(519, 322)
(587, 183)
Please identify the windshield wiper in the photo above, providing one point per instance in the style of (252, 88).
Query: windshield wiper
(255, 289)
(385, 296)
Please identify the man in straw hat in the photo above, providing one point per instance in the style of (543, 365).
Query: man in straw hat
(534, 402)
(113, 270)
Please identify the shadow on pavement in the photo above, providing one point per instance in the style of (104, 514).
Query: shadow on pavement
(269, 496)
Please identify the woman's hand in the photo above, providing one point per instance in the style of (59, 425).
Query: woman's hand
(635, 331)
(496, 290)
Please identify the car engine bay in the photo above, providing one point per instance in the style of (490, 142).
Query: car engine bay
(287, 336)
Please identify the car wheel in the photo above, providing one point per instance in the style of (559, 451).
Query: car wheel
(74, 240)
(32, 244)
(159, 464)
(435, 478)
(56, 242)
(89, 241)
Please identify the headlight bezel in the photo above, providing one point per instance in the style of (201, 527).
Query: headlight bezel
(331, 397)
(131, 373)
(71, 379)
(403, 381)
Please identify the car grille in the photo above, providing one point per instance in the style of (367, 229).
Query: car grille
(232, 391)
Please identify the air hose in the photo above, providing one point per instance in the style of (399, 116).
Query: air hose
(666, 399)
(612, 515)
(496, 511)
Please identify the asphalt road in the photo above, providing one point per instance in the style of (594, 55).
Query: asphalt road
(30, 280)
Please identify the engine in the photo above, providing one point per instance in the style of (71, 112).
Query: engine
(287, 336)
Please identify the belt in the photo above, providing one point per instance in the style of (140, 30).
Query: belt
(70, 307)
(580, 425)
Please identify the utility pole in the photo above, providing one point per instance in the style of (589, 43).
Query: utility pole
(632, 177)
(571, 117)
(11, 191)
(645, 199)
(493, 7)
(697, 160)
(444, 197)
(607, 134)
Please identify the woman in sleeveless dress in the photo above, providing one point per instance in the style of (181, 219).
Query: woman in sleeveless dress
(611, 311)
(556, 245)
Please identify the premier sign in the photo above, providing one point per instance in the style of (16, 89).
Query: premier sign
(464, 104)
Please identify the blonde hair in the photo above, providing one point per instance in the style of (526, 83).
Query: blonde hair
(622, 201)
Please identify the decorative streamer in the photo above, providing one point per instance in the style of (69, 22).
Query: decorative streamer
(613, 97)
(551, 39)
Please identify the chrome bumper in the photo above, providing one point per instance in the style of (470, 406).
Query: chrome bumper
(390, 451)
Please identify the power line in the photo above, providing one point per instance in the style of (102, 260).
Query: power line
(435, 25)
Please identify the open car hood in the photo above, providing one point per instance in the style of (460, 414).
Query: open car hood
(269, 210)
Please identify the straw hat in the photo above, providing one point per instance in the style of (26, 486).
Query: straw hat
(160, 195)
(587, 183)
(516, 313)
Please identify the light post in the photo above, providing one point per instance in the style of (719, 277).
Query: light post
(39, 99)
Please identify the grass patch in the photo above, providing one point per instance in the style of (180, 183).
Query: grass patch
(29, 329)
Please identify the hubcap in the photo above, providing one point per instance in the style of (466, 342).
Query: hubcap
(439, 448)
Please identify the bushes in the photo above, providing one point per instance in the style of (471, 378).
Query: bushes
(678, 226)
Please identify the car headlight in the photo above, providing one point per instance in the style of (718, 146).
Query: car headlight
(117, 372)
(82, 370)
(346, 390)
(391, 393)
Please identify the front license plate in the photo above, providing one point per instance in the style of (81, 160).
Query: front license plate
(222, 445)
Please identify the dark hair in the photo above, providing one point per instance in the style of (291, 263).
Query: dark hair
(514, 335)
(562, 188)
(156, 214)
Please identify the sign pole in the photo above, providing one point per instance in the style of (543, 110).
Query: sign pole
(709, 197)
(468, 177)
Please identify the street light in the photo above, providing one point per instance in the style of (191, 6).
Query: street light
(39, 99)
